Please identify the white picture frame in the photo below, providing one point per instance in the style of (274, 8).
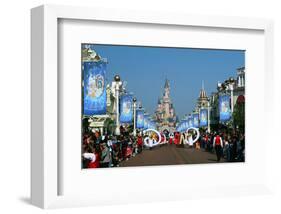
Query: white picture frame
(45, 157)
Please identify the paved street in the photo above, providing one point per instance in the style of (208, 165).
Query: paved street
(170, 155)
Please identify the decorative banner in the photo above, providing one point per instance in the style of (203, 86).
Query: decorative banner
(184, 125)
(140, 119)
(126, 108)
(190, 121)
(196, 120)
(224, 108)
(179, 129)
(145, 122)
(151, 124)
(94, 97)
(203, 117)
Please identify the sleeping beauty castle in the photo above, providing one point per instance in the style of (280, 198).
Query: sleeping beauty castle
(165, 116)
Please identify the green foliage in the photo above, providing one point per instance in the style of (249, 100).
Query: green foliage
(239, 115)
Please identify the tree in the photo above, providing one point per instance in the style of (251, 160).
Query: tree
(239, 115)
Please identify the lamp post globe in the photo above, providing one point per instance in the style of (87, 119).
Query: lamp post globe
(117, 78)
(231, 80)
(209, 122)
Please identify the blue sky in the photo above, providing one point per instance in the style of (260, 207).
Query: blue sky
(146, 68)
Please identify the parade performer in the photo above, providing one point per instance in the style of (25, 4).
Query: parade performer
(163, 139)
(171, 136)
(190, 139)
(189, 136)
(177, 138)
(186, 139)
(139, 143)
(182, 139)
(218, 145)
(150, 143)
(153, 139)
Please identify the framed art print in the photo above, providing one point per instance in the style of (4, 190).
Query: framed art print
(141, 104)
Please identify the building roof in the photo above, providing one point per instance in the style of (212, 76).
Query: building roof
(202, 94)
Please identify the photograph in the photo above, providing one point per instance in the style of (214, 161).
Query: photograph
(153, 106)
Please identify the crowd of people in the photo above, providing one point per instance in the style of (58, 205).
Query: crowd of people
(230, 146)
(103, 150)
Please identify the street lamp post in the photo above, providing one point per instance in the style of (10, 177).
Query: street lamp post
(134, 108)
(231, 87)
(118, 83)
(231, 95)
(209, 130)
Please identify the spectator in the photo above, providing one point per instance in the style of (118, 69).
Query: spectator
(218, 145)
(91, 159)
(105, 155)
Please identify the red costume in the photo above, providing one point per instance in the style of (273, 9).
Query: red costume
(177, 138)
(129, 152)
(139, 141)
(170, 140)
(162, 138)
(96, 163)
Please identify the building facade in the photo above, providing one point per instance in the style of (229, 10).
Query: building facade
(237, 86)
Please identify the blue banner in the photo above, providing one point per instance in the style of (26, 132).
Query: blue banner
(184, 125)
(145, 122)
(94, 97)
(151, 125)
(180, 127)
(203, 117)
(196, 120)
(126, 108)
(224, 108)
(190, 122)
(140, 119)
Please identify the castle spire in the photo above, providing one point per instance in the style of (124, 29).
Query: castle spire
(166, 83)
(159, 100)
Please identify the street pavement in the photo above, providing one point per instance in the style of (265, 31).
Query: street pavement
(171, 155)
